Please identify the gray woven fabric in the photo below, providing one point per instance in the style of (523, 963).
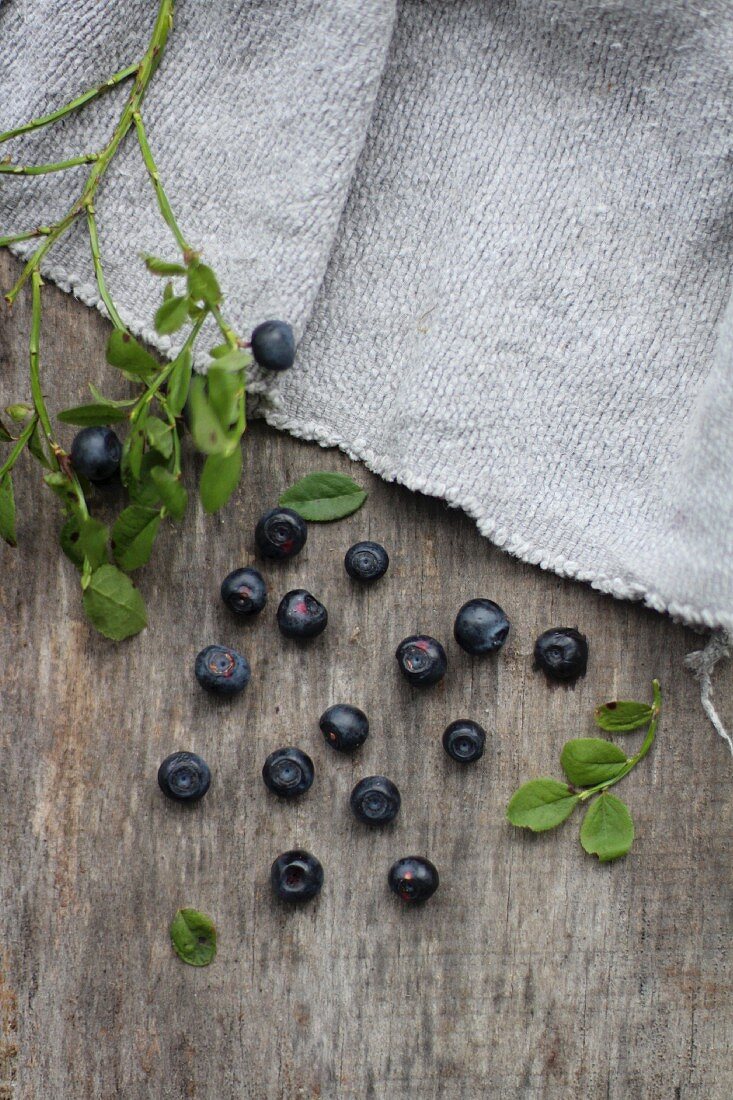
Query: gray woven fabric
(502, 229)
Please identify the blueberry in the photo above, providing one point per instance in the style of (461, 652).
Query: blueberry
(344, 727)
(561, 653)
(244, 591)
(422, 660)
(273, 345)
(481, 627)
(96, 453)
(288, 772)
(296, 875)
(413, 879)
(366, 561)
(184, 777)
(280, 533)
(464, 740)
(301, 615)
(222, 671)
(375, 800)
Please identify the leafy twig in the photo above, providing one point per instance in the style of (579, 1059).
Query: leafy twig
(592, 766)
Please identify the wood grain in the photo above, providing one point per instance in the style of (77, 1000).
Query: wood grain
(533, 972)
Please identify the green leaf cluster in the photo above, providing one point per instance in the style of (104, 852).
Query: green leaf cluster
(168, 395)
(591, 765)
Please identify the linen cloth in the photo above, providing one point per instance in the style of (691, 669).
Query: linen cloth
(503, 230)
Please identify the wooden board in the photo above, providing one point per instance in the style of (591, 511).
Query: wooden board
(533, 972)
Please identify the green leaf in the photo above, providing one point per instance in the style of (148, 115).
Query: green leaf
(132, 454)
(93, 537)
(170, 490)
(171, 315)
(92, 416)
(202, 285)
(168, 291)
(18, 413)
(193, 937)
(113, 604)
(207, 432)
(35, 446)
(617, 717)
(322, 497)
(59, 484)
(590, 760)
(607, 830)
(5, 436)
(156, 266)
(124, 404)
(160, 436)
(225, 394)
(125, 353)
(133, 536)
(219, 351)
(143, 490)
(7, 510)
(233, 360)
(179, 382)
(69, 539)
(219, 478)
(541, 804)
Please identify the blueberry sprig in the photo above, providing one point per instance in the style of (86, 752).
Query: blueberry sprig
(592, 765)
(149, 460)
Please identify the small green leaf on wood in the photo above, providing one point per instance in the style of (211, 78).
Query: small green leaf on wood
(607, 830)
(93, 416)
(219, 478)
(171, 315)
(70, 544)
(179, 381)
(156, 266)
(59, 484)
(202, 285)
(541, 804)
(18, 413)
(7, 510)
(37, 449)
(133, 536)
(125, 353)
(206, 429)
(125, 403)
(113, 605)
(193, 936)
(170, 490)
(590, 760)
(93, 537)
(132, 455)
(624, 715)
(160, 436)
(324, 496)
(225, 394)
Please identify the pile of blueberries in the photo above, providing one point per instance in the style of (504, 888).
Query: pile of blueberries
(481, 627)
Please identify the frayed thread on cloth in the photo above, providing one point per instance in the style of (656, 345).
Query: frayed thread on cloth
(702, 663)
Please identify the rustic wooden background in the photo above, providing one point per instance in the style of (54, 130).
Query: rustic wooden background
(534, 972)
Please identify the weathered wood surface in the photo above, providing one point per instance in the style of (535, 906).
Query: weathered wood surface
(534, 972)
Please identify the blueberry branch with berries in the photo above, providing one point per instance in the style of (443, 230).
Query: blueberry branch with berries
(169, 394)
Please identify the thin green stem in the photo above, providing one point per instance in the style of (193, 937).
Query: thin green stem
(165, 207)
(44, 169)
(633, 760)
(73, 105)
(143, 73)
(16, 238)
(166, 372)
(39, 402)
(226, 330)
(99, 273)
(19, 445)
